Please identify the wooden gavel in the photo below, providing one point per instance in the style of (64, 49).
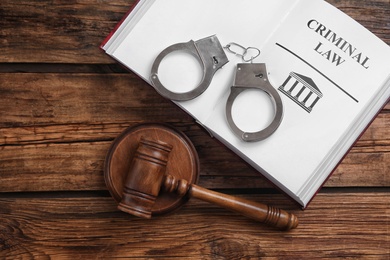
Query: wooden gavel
(147, 177)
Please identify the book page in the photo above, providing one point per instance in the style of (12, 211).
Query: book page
(329, 71)
(327, 68)
(167, 22)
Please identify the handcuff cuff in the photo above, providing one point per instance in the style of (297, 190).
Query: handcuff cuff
(208, 52)
(211, 56)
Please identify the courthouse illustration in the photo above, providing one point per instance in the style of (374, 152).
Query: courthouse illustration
(302, 90)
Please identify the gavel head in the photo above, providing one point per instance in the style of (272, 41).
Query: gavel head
(144, 178)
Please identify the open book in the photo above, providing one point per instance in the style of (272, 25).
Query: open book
(332, 74)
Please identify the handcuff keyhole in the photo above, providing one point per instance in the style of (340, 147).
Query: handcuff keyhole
(259, 75)
(215, 61)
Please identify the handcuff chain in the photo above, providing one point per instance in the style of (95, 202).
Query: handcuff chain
(244, 51)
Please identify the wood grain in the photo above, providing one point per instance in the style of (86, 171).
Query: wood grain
(93, 105)
(54, 116)
(63, 102)
(85, 227)
(58, 31)
(71, 31)
(47, 99)
(76, 164)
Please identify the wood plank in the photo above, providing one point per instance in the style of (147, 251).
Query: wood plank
(346, 225)
(79, 166)
(42, 99)
(374, 139)
(56, 31)
(34, 99)
(60, 116)
(56, 129)
(372, 14)
(71, 32)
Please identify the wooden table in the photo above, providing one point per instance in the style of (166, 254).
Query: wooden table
(62, 103)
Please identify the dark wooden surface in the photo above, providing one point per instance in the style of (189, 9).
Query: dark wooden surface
(62, 103)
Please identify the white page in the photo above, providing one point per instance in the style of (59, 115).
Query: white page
(303, 140)
(172, 21)
(295, 155)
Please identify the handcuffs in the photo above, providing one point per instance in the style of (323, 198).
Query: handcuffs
(253, 76)
(210, 54)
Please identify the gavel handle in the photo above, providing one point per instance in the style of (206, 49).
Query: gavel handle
(256, 211)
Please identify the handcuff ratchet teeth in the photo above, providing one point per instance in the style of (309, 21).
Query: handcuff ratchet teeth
(253, 76)
(208, 52)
